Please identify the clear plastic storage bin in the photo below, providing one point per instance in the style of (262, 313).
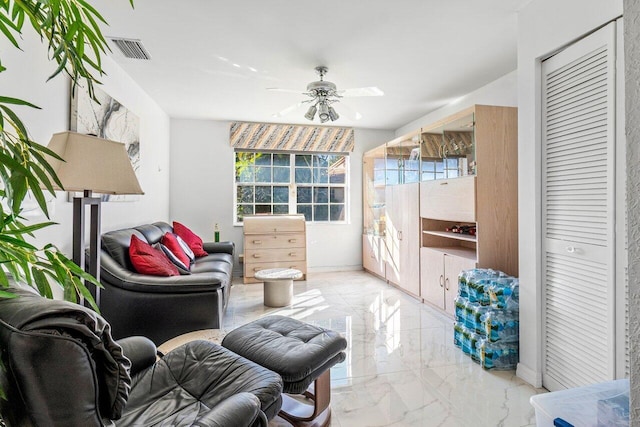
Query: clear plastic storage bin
(599, 405)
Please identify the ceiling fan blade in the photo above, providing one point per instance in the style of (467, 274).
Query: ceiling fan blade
(350, 112)
(277, 89)
(361, 91)
(287, 110)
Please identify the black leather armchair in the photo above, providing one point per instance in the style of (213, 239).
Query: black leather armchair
(62, 368)
(161, 308)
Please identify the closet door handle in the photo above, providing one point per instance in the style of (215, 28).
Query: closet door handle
(399, 235)
(446, 281)
(441, 279)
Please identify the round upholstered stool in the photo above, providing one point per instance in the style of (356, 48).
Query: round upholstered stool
(302, 354)
(278, 285)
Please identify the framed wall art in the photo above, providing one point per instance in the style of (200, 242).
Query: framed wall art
(107, 118)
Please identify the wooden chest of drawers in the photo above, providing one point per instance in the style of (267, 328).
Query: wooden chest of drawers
(272, 241)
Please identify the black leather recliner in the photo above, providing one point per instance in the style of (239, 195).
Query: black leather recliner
(62, 368)
(156, 307)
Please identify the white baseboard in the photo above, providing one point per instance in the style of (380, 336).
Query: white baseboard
(529, 375)
(334, 268)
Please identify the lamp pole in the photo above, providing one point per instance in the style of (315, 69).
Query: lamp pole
(79, 247)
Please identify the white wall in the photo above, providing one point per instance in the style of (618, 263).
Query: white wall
(544, 26)
(502, 92)
(202, 170)
(25, 78)
(632, 110)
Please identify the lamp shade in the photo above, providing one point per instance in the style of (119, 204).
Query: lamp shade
(92, 163)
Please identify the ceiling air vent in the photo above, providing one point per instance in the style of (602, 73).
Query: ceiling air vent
(131, 48)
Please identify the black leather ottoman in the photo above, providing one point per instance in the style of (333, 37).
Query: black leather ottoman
(302, 354)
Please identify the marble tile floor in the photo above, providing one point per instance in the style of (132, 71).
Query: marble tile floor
(402, 368)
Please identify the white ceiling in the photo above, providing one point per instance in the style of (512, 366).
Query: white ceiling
(214, 59)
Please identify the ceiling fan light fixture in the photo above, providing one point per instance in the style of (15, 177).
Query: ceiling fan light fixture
(333, 114)
(323, 112)
(311, 113)
(321, 96)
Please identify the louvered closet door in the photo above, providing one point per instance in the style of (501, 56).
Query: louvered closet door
(578, 206)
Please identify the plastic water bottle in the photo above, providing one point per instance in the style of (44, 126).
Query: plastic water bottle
(478, 280)
(504, 293)
(458, 331)
(498, 355)
(216, 233)
(502, 326)
(477, 313)
(463, 286)
(460, 303)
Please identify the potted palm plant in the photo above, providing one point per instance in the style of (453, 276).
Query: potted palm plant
(71, 28)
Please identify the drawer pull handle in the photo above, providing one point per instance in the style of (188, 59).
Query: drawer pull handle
(292, 240)
(441, 278)
(256, 255)
(292, 254)
(257, 242)
(444, 183)
(571, 249)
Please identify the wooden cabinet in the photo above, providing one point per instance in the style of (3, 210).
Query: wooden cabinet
(402, 237)
(439, 275)
(486, 199)
(272, 241)
(466, 165)
(481, 198)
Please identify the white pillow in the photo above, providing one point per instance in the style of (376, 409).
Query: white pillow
(187, 250)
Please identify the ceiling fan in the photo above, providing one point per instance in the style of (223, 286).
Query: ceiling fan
(324, 93)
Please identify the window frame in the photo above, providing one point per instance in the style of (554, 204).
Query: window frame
(293, 186)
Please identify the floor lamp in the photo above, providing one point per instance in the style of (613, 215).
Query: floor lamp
(91, 164)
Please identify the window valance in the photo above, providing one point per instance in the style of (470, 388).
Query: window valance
(270, 137)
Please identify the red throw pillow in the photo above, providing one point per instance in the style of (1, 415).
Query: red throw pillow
(192, 239)
(171, 242)
(148, 260)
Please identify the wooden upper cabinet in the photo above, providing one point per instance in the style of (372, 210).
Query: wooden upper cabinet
(449, 199)
(475, 184)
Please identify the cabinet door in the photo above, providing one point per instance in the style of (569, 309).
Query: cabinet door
(410, 238)
(392, 228)
(372, 253)
(449, 199)
(432, 276)
(453, 265)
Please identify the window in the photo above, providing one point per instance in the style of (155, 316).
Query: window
(275, 183)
